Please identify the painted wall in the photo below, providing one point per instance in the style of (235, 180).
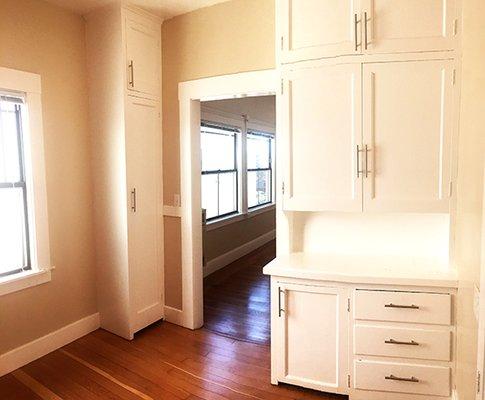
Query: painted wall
(42, 38)
(231, 37)
(470, 185)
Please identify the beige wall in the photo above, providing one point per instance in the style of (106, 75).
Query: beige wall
(41, 38)
(470, 184)
(227, 38)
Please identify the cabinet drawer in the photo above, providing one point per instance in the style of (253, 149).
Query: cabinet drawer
(403, 343)
(422, 308)
(402, 378)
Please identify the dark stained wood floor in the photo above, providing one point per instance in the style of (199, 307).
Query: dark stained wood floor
(164, 361)
(237, 298)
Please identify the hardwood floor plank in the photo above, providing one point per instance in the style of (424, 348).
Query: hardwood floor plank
(13, 388)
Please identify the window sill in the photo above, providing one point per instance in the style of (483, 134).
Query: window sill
(24, 280)
(219, 223)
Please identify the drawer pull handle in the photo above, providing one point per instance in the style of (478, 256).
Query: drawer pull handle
(392, 341)
(397, 378)
(412, 306)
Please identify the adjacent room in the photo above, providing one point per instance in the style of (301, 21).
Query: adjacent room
(242, 199)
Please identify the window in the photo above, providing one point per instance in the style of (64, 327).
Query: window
(260, 155)
(219, 170)
(14, 229)
(24, 225)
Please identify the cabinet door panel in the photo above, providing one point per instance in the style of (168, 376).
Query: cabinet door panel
(143, 176)
(143, 57)
(322, 128)
(411, 25)
(313, 333)
(319, 28)
(408, 115)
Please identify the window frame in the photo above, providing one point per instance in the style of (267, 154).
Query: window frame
(29, 86)
(244, 125)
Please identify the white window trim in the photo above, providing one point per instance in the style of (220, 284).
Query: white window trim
(30, 85)
(243, 124)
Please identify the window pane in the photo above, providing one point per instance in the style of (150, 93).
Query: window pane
(227, 193)
(209, 195)
(258, 151)
(259, 187)
(9, 153)
(12, 230)
(218, 150)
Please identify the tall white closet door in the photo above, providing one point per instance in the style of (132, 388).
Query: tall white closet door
(410, 25)
(143, 52)
(321, 132)
(144, 219)
(312, 337)
(408, 118)
(313, 29)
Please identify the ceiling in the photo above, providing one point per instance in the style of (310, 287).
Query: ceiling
(163, 8)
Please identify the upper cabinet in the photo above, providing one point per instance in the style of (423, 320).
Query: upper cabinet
(312, 29)
(143, 55)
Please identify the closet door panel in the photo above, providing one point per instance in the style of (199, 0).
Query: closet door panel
(322, 129)
(143, 52)
(408, 114)
(144, 221)
(313, 29)
(405, 26)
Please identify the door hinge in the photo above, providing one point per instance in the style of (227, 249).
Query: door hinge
(283, 188)
(451, 189)
(455, 27)
(454, 76)
(282, 87)
(479, 382)
(348, 305)
(348, 381)
(282, 42)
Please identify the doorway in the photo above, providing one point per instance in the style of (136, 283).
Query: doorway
(238, 196)
(191, 94)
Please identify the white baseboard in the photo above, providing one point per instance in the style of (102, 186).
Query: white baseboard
(231, 256)
(29, 352)
(173, 315)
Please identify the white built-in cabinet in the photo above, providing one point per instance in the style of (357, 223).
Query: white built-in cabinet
(312, 29)
(312, 336)
(124, 49)
(369, 136)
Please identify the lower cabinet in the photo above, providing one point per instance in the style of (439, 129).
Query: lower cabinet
(384, 343)
(311, 333)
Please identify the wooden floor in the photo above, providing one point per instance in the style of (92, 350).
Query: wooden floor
(163, 362)
(237, 298)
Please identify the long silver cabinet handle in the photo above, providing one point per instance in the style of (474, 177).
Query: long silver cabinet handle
(365, 30)
(356, 38)
(133, 200)
(280, 310)
(397, 378)
(391, 305)
(392, 341)
(366, 151)
(131, 79)
(359, 171)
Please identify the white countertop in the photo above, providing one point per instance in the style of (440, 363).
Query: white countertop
(364, 269)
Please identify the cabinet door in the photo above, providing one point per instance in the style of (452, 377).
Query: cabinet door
(312, 338)
(313, 29)
(408, 125)
(322, 129)
(143, 56)
(144, 219)
(411, 25)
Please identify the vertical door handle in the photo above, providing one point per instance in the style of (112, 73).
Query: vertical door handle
(131, 77)
(367, 160)
(365, 30)
(280, 310)
(133, 200)
(356, 38)
(359, 171)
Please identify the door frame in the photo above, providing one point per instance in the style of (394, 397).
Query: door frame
(480, 394)
(191, 93)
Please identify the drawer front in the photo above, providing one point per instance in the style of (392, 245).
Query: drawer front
(402, 378)
(422, 308)
(402, 343)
